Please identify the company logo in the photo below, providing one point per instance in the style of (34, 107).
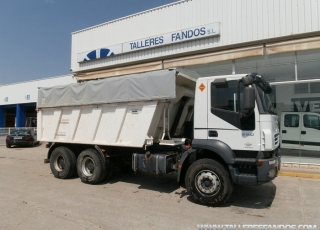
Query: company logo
(248, 144)
(100, 53)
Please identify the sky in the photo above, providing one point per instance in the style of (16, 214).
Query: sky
(35, 35)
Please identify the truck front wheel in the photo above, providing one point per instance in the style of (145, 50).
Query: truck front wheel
(208, 182)
(91, 167)
(63, 163)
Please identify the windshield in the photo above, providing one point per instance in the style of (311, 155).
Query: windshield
(266, 101)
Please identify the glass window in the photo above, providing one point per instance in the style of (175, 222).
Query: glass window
(301, 88)
(291, 120)
(249, 64)
(315, 87)
(311, 121)
(226, 98)
(275, 68)
(308, 64)
(226, 105)
(279, 73)
(213, 69)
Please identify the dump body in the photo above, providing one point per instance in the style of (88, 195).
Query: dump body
(125, 111)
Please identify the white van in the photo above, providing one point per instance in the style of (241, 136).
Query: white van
(300, 130)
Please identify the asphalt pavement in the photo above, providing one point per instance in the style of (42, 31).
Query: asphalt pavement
(31, 198)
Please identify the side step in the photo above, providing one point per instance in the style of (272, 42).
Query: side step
(243, 178)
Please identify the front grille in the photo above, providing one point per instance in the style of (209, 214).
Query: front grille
(276, 139)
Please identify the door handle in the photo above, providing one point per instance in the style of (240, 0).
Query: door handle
(303, 132)
(213, 133)
(284, 131)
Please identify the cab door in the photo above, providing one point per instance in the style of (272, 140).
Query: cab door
(224, 120)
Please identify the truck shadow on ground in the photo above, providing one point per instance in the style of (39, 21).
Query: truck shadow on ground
(20, 147)
(254, 197)
(162, 184)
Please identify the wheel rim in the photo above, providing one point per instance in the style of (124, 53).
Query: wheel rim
(59, 163)
(207, 182)
(87, 166)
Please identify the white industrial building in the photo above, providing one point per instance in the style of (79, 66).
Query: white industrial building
(279, 39)
(18, 101)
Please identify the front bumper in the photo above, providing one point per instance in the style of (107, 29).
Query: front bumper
(266, 172)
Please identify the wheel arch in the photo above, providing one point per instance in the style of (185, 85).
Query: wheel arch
(211, 149)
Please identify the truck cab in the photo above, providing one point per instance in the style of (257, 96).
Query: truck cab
(228, 116)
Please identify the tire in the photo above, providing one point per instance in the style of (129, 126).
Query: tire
(63, 163)
(91, 167)
(208, 182)
(8, 146)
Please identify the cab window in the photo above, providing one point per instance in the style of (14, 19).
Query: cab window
(226, 104)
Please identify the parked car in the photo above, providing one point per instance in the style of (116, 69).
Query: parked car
(21, 137)
(300, 130)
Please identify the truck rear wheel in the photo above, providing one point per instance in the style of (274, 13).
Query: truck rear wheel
(91, 167)
(208, 182)
(63, 163)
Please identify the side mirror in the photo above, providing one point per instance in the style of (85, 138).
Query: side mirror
(247, 80)
(249, 98)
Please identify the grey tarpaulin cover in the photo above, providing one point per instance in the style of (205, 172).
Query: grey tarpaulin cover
(153, 85)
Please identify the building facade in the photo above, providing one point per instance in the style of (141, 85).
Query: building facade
(18, 102)
(279, 39)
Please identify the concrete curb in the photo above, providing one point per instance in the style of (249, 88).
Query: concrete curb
(303, 175)
(300, 165)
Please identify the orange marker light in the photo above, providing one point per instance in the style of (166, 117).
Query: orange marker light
(259, 163)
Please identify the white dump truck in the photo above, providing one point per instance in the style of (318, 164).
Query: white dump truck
(213, 132)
